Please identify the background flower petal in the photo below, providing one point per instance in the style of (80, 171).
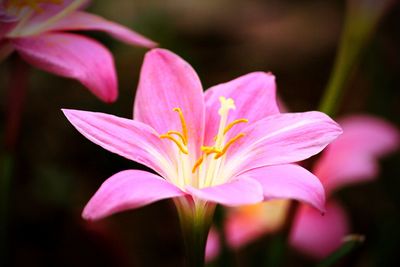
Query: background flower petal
(353, 156)
(128, 190)
(50, 13)
(254, 96)
(80, 20)
(234, 193)
(213, 245)
(167, 82)
(282, 138)
(317, 235)
(289, 181)
(130, 139)
(246, 224)
(72, 56)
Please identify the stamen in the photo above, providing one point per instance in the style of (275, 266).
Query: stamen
(197, 164)
(210, 149)
(233, 123)
(207, 151)
(228, 144)
(178, 134)
(183, 122)
(181, 147)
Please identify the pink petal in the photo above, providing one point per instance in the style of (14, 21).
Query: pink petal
(80, 20)
(246, 224)
(72, 56)
(126, 190)
(130, 139)
(237, 192)
(242, 230)
(254, 96)
(168, 82)
(213, 245)
(289, 181)
(282, 138)
(353, 156)
(316, 235)
(50, 13)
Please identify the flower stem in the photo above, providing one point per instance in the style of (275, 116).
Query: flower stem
(350, 243)
(225, 258)
(361, 19)
(277, 251)
(17, 86)
(195, 219)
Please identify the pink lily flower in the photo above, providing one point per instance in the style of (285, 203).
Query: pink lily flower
(350, 159)
(229, 145)
(37, 30)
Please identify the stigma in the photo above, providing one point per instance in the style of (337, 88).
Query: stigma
(221, 146)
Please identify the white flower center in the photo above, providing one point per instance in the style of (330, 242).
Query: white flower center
(208, 169)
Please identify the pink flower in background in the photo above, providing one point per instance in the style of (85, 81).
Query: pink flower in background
(229, 145)
(36, 29)
(352, 158)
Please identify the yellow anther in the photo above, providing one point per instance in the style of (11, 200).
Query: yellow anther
(197, 164)
(210, 149)
(228, 144)
(178, 134)
(181, 147)
(183, 122)
(233, 123)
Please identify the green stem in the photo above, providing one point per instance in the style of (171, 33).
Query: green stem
(361, 20)
(195, 219)
(6, 166)
(16, 95)
(278, 249)
(351, 243)
(17, 87)
(225, 258)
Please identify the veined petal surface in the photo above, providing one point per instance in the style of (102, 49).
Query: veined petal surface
(128, 190)
(289, 181)
(130, 139)
(255, 98)
(280, 139)
(237, 192)
(168, 82)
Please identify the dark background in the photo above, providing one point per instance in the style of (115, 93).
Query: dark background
(57, 170)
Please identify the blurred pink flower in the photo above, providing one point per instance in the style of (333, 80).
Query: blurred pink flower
(229, 146)
(213, 245)
(36, 29)
(352, 158)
